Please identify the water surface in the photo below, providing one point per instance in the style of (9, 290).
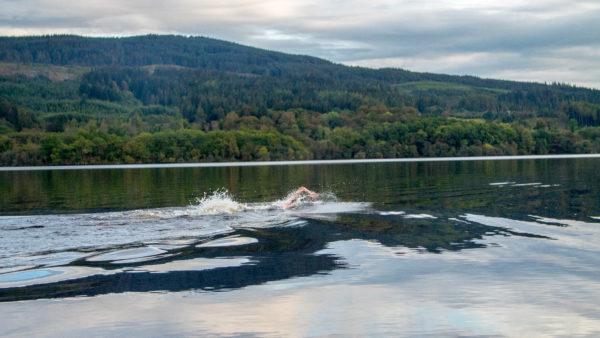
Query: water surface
(499, 248)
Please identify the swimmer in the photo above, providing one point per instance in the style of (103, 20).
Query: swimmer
(297, 194)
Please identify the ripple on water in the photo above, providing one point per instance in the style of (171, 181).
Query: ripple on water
(502, 183)
(527, 184)
(197, 264)
(45, 276)
(129, 255)
(420, 216)
(391, 213)
(228, 241)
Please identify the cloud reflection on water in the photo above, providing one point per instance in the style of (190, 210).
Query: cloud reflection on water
(426, 294)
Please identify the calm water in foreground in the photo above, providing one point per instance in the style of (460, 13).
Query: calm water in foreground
(498, 248)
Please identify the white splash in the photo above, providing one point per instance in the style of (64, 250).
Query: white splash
(220, 201)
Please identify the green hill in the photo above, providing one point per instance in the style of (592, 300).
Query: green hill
(70, 99)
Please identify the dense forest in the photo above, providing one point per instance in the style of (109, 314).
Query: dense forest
(147, 99)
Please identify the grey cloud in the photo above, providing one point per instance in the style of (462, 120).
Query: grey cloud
(499, 38)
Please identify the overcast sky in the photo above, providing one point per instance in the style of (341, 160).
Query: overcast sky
(544, 40)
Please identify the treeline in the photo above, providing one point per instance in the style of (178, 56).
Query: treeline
(100, 147)
(314, 139)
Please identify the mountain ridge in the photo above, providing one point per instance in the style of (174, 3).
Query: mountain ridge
(198, 52)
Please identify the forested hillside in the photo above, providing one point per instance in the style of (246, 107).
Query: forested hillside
(76, 100)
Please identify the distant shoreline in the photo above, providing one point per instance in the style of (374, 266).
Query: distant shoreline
(287, 163)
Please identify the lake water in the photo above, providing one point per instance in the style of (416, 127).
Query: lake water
(448, 248)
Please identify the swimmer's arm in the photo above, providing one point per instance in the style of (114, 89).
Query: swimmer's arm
(288, 203)
(312, 194)
(293, 198)
(297, 195)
